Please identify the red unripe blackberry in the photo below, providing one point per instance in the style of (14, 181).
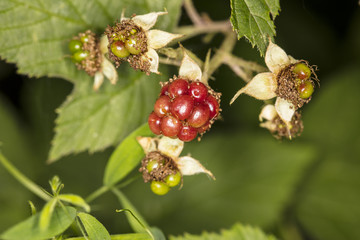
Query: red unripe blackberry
(170, 126)
(178, 87)
(213, 105)
(182, 107)
(204, 128)
(154, 122)
(162, 106)
(187, 133)
(198, 91)
(164, 90)
(199, 116)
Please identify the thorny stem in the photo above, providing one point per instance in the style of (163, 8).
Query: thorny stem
(33, 187)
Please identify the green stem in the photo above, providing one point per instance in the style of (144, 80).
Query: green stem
(97, 193)
(33, 187)
(100, 191)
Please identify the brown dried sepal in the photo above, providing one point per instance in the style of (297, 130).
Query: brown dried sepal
(166, 167)
(287, 84)
(280, 130)
(123, 29)
(92, 63)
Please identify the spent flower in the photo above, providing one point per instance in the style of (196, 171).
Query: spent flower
(270, 119)
(88, 53)
(291, 81)
(162, 165)
(132, 40)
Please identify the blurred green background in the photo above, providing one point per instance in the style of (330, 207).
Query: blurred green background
(308, 188)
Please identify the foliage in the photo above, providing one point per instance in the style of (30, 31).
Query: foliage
(306, 188)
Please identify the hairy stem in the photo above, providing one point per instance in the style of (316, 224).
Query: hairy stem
(33, 187)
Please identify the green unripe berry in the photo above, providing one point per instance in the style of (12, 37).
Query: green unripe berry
(75, 45)
(131, 45)
(153, 164)
(159, 188)
(119, 50)
(173, 179)
(80, 56)
(302, 71)
(305, 89)
(84, 39)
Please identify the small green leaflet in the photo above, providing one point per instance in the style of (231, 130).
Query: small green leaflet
(93, 228)
(253, 19)
(238, 232)
(29, 229)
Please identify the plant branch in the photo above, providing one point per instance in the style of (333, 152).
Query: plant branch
(33, 187)
(97, 193)
(192, 13)
(226, 47)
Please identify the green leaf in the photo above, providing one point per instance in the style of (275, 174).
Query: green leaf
(238, 232)
(29, 229)
(141, 227)
(35, 34)
(96, 120)
(46, 214)
(125, 157)
(328, 205)
(253, 19)
(128, 236)
(94, 229)
(75, 200)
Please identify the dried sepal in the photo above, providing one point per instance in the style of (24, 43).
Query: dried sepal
(109, 71)
(191, 166)
(276, 58)
(189, 68)
(285, 110)
(159, 39)
(170, 147)
(98, 80)
(261, 87)
(268, 113)
(148, 144)
(152, 58)
(147, 21)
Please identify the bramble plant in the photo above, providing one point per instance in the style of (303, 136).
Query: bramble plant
(163, 106)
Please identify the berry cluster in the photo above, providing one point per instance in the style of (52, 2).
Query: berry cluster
(304, 84)
(161, 171)
(85, 52)
(184, 109)
(127, 42)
